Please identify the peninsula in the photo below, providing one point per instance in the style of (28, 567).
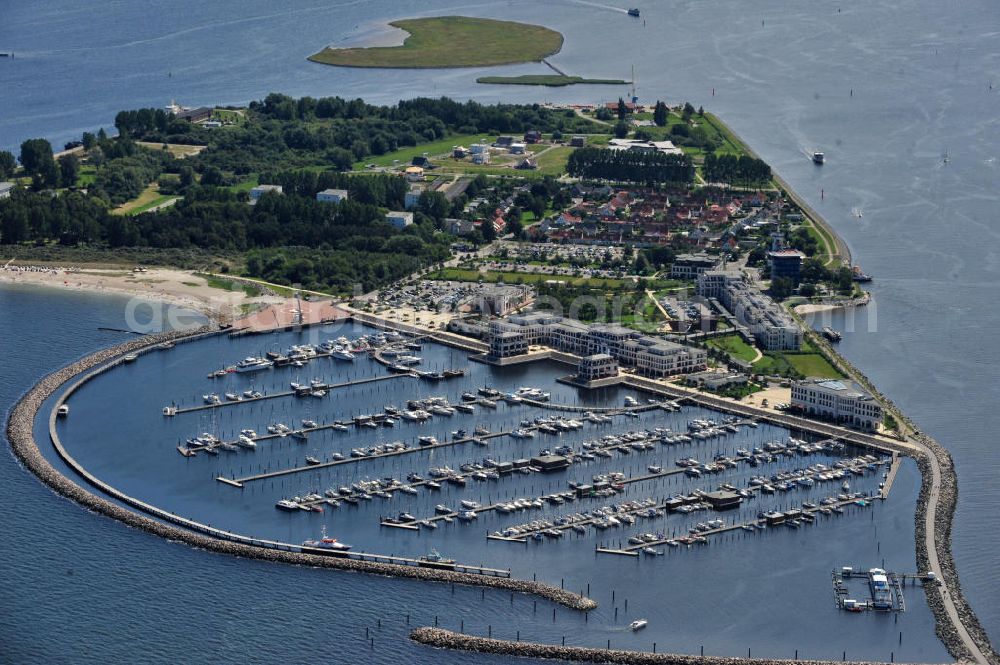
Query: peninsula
(454, 226)
(452, 41)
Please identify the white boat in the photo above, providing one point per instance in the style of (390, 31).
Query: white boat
(63, 410)
(252, 364)
(408, 360)
(326, 544)
(341, 353)
(638, 624)
(130, 357)
(246, 442)
(287, 504)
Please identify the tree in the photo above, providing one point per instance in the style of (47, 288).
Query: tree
(69, 170)
(621, 129)
(781, 288)
(622, 109)
(687, 112)
(701, 111)
(489, 233)
(514, 227)
(35, 153)
(212, 176)
(433, 204)
(604, 114)
(537, 206)
(89, 140)
(660, 114)
(8, 164)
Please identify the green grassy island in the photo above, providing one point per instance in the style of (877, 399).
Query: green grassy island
(452, 41)
(552, 80)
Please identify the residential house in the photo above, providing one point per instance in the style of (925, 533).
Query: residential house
(398, 219)
(332, 195)
(260, 190)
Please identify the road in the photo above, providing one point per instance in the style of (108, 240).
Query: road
(911, 446)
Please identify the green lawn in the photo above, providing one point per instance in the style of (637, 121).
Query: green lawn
(433, 149)
(144, 207)
(551, 80)
(250, 290)
(86, 176)
(735, 346)
(796, 364)
(452, 41)
(813, 364)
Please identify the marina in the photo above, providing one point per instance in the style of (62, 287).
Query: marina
(555, 469)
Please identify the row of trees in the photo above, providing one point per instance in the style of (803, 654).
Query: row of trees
(638, 166)
(742, 170)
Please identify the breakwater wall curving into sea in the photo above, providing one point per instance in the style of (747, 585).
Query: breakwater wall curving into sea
(935, 463)
(20, 434)
(446, 639)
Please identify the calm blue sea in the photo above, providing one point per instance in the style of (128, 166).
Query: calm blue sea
(885, 90)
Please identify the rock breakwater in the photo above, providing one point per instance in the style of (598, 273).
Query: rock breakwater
(20, 433)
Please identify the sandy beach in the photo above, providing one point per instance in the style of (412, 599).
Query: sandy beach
(183, 289)
(176, 287)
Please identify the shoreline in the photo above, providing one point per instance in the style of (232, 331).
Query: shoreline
(159, 285)
(956, 623)
(841, 249)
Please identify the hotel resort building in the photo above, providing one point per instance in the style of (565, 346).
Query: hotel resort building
(772, 327)
(840, 400)
(599, 342)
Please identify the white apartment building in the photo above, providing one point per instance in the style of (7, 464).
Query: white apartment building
(597, 366)
(841, 400)
(331, 195)
(649, 356)
(772, 327)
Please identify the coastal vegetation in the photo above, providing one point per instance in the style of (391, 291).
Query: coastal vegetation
(304, 145)
(550, 80)
(451, 41)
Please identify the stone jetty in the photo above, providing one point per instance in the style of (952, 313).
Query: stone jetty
(446, 639)
(20, 433)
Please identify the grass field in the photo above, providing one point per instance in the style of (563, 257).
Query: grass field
(735, 346)
(229, 285)
(178, 150)
(812, 364)
(452, 41)
(86, 176)
(433, 149)
(796, 364)
(551, 80)
(146, 199)
(550, 162)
